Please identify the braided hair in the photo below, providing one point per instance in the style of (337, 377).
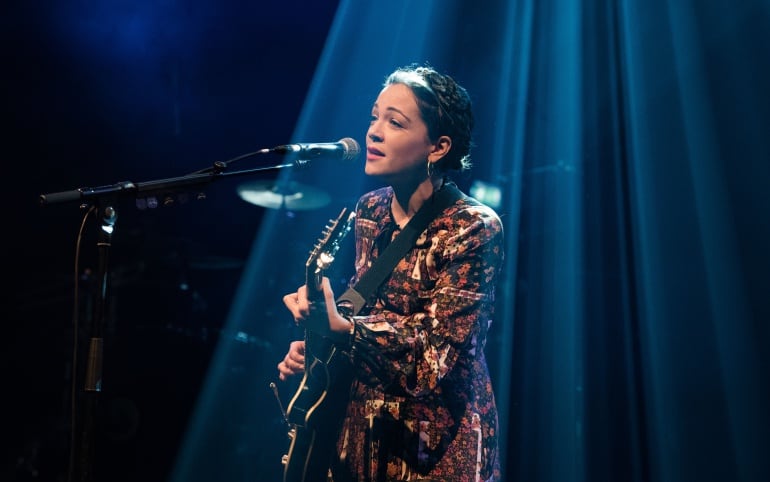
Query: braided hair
(445, 107)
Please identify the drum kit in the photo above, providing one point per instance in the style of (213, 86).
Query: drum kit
(165, 271)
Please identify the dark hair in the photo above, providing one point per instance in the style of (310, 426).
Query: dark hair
(445, 107)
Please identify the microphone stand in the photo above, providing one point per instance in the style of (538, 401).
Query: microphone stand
(81, 468)
(150, 194)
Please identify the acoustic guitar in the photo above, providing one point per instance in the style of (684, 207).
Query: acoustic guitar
(317, 409)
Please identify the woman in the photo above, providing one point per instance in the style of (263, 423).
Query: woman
(421, 403)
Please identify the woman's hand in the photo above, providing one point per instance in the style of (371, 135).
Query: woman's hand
(318, 316)
(294, 361)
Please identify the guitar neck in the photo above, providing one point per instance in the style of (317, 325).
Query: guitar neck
(314, 283)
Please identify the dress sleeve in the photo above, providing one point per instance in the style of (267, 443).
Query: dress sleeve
(410, 351)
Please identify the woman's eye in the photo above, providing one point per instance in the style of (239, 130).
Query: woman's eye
(395, 123)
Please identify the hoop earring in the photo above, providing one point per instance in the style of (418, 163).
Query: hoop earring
(430, 169)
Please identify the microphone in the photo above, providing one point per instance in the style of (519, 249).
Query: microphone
(346, 149)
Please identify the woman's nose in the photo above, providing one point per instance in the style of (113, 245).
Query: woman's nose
(374, 136)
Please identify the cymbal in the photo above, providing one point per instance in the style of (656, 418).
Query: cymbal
(283, 195)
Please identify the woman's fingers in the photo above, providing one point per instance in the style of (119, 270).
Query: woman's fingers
(294, 361)
(298, 304)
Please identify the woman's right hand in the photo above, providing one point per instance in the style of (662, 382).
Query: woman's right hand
(294, 361)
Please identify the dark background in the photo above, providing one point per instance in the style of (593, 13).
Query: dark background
(90, 102)
(632, 335)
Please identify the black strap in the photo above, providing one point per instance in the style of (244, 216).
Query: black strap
(384, 264)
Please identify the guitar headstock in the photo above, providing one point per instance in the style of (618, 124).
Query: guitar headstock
(324, 251)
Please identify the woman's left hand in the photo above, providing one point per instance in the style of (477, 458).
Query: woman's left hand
(320, 316)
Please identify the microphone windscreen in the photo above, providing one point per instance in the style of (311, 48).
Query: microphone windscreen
(352, 149)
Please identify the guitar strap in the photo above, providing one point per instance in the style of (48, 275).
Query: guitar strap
(384, 264)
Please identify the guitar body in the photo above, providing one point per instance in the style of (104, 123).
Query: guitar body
(316, 411)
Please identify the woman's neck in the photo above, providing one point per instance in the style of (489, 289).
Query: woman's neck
(408, 200)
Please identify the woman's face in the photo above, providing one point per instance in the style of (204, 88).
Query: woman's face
(397, 143)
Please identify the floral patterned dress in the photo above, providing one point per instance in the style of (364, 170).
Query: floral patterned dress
(422, 405)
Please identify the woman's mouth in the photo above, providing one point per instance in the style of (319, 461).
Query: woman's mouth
(373, 153)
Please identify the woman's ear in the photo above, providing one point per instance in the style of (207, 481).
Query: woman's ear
(440, 148)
